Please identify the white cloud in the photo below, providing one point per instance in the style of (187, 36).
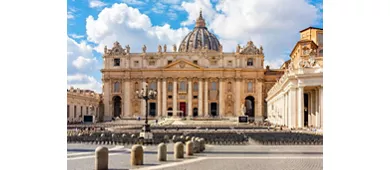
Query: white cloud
(70, 15)
(134, 2)
(80, 58)
(82, 62)
(96, 4)
(75, 36)
(158, 8)
(83, 81)
(274, 64)
(193, 9)
(170, 1)
(128, 25)
(274, 24)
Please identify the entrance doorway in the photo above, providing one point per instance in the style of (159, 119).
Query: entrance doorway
(182, 107)
(195, 112)
(214, 109)
(117, 106)
(250, 106)
(306, 110)
(170, 111)
(152, 109)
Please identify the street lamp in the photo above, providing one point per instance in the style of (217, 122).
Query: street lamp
(146, 94)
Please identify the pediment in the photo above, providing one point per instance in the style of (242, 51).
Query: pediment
(250, 49)
(182, 64)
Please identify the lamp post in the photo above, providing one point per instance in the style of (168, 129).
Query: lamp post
(146, 94)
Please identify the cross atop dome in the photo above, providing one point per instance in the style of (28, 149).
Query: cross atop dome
(200, 21)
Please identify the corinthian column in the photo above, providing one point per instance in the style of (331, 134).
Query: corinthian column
(143, 102)
(237, 95)
(259, 100)
(164, 97)
(206, 98)
(159, 113)
(300, 110)
(189, 97)
(200, 98)
(221, 98)
(175, 97)
(106, 99)
(127, 99)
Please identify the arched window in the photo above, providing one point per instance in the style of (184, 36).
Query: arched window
(214, 86)
(116, 87)
(170, 86)
(249, 62)
(195, 87)
(182, 86)
(250, 87)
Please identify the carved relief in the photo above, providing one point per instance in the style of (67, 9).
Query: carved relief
(250, 49)
(229, 103)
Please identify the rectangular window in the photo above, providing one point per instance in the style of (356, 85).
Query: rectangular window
(86, 110)
(169, 97)
(195, 87)
(170, 86)
(136, 63)
(214, 86)
(195, 97)
(250, 87)
(152, 63)
(195, 61)
(117, 61)
(153, 85)
(67, 109)
(182, 86)
(74, 111)
(169, 61)
(81, 110)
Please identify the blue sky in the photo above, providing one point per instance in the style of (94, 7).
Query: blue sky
(274, 24)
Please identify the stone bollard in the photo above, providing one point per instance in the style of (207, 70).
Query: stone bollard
(101, 158)
(137, 155)
(178, 150)
(196, 146)
(162, 152)
(189, 148)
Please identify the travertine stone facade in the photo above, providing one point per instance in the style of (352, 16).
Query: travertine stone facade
(296, 99)
(198, 79)
(82, 102)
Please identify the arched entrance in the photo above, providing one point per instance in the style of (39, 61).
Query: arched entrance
(250, 106)
(214, 109)
(195, 112)
(117, 106)
(170, 111)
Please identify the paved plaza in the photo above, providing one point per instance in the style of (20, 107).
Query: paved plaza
(215, 157)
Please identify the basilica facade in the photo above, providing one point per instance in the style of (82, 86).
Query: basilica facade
(196, 79)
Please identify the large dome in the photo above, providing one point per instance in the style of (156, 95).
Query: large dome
(199, 38)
